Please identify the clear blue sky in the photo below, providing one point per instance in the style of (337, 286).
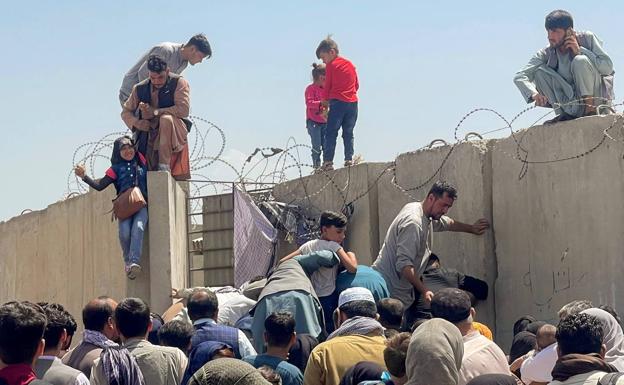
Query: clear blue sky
(422, 66)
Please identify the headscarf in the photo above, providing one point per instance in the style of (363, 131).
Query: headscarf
(533, 327)
(227, 371)
(493, 379)
(201, 354)
(300, 352)
(613, 337)
(98, 339)
(120, 367)
(523, 343)
(362, 371)
(435, 354)
(483, 330)
(358, 325)
(573, 364)
(117, 145)
(522, 323)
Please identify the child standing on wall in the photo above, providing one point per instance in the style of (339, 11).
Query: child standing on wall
(128, 169)
(340, 95)
(333, 228)
(315, 116)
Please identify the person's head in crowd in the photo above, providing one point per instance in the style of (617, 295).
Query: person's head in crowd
(279, 332)
(318, 74)
(227, 371)
(613, 337)
(439, 200)
(454, 306)
(197, 49)
(327, 50)
(157, 323)
(22, 325)
(395, 354)
(557, 23)
(580, 333)
(355, 302)
(270, 375)
(435, 354)
(158, 71)
(545, 336)
(60, 328)
(363, 372)
(132, 319)
(522, 343)
(203, 303)
(333, 226)
(611, 310)
(574, 307)
(390, 313)
(176, 333)
(97, 315)
(494, 379)
(433, 262)
(522, 323)
(300, 351)
(534, 326)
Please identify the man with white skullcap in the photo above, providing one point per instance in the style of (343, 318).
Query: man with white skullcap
(358, 337)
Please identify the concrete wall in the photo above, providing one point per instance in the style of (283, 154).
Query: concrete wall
(69, 252)
(556, 233)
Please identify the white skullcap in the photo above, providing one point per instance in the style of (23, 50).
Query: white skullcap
(355, 294)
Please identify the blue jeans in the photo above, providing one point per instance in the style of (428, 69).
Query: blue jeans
(317, 134)
(131, 236)
(340, 114)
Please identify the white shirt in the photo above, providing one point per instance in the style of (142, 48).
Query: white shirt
(244, 345)
(539, 365)
(324, 279)
(481, 356)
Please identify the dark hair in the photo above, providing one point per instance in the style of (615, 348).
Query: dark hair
(279, 328)
(522, 323)
(317, 70)
(396, 352)
(440, 187)
(611, 311)
(270, 374)
(390, 312)
(132, 317)
(200, 42)
(176, 333)
(559, 19)
(58, 319)
(359, 308)
(574, 307)
(325, 45)
(21, 328)
(96, 313)
(579, 333)
(203, 303)
(156, 64)
(332, 218)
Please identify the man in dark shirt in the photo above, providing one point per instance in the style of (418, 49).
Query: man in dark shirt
(437, 278)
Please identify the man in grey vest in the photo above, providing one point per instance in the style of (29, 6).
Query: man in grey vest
(99, 333)
(574, 75)
(48, 366)
(156, 112)
(177, 55)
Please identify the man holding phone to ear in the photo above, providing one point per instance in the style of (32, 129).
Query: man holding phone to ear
(573, 75)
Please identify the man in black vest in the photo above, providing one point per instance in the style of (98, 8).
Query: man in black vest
(156, 112)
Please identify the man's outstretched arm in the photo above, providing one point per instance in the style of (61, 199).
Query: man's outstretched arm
(476, 228)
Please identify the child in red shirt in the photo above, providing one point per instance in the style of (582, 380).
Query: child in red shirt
(340, 95)
(315, 117)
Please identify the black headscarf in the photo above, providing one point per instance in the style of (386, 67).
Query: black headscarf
(362, 371)
(300, 351)
(117, 145)
(523, 343)
(493, 379)
(522, 323)
(534, 326)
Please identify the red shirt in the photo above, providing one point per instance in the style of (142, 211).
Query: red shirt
(341, 81)
(313, 97)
